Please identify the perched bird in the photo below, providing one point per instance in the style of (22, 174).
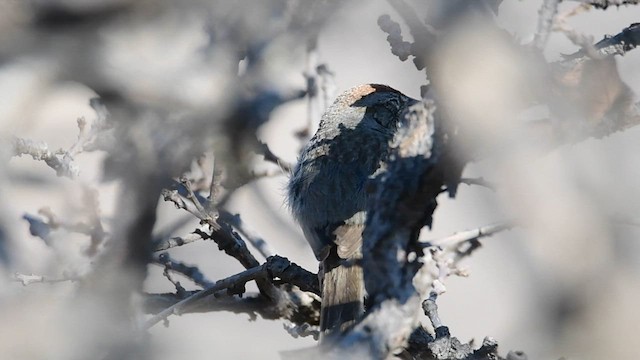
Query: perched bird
(327, 194)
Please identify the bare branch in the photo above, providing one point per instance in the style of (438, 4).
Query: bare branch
(232, 281)
(59, 160)
(175, 241)
(619, 44)
(479, 181)
(275, 267)
(256, 240)
(273, 158)
(206, 215)
(214, 185)
(603, 4)
(33, 279)
(191, 272)
(470, 235)
(545, 21)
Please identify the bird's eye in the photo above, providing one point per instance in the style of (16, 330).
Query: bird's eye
(392, 105)
(386, 112)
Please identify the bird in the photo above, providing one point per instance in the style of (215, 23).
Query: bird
(327, 193)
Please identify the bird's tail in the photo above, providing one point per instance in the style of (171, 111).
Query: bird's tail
(342, 294)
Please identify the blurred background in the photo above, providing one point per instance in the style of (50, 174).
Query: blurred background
(566, 284)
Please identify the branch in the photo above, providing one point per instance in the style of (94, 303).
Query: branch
(547, 12)
(191, 272)
(165, 244)
(60, 160)
(269, 156)
(33, 279)
(458, 238)
(233, 281)
(306, 310)
(275, 267)
(221, 233)
(479, 181)
(603, 4)
(291, 273)
(584, 41)
(619, 44)
(256, 240)
(423, 36)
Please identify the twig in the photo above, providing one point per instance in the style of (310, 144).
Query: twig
(628, 39)
(214, 186)
(191, 272)
(175, 241)
(445, 254)
(207, 216)
(194, 206)
(180, 290)
(302, 307)
(469, 235)
(430, 309)
(221, 233)
(327, 85)
(305, 310)
(269, 156)
(60, 160)
(584, 41)
(232, 245)
(545, 22)
(291, 273)
(423, 36)
(314, 110)
(479, 181)
(274, 267)
(33, 279)
(93, 228)
(603, 4)
(619, 44)
(256, 240)
(399, 47)
(304, 330)
(232, 281)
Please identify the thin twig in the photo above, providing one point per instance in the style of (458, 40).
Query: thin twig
(584, 41)
(313, 105)
(273, 158)
(214, 186)
(256, 240)
(603, 4)
(232, 281)
(60, 160)
(175, 241)
(469, 235)
(430, 309)
(205, 215)
(304, 330)
(619, 44)
(547, 12)
(423, 35)
(479, 181)
(33, 279)
(191, 272)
